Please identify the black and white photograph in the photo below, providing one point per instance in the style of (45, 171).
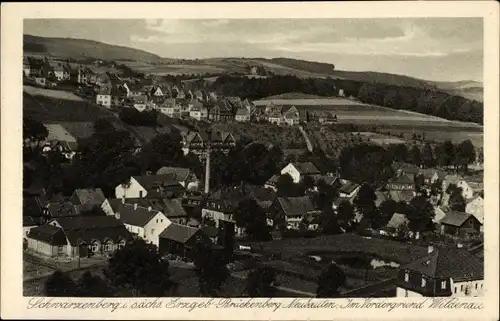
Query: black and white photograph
(302, 158)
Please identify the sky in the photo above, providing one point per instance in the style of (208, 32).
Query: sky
(443, 49)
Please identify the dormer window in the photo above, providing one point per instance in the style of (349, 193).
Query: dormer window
(443, 285)
(407, 277)
(424, 282)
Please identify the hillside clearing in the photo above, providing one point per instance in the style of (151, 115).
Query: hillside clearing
(51, 93)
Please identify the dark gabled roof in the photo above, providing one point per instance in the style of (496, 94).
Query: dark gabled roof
(93, 196)
(178, 233)
(52, 235)
(296, 205)
(88, 228)
(139, 216)
(64, 209)
(306, 168)
(273, 180)
(403, 179)
(173, 208)
(155, 181)
(397, 220)
(456, 263)
(179, 174)
(28, 221)
(455, 218)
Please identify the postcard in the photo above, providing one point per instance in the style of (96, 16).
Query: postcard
(237, 161)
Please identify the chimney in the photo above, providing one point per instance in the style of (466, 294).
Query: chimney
(430, 249)
(135, 206)
(207, 173)
(123, 199)
(117, 215)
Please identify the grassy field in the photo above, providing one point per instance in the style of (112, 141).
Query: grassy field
(57, 94)
(332, 142)
(381, 139)
(402, 253)
(282, 136)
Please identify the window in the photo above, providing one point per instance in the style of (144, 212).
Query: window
(152, 231)
(60, 249)
(476, 286)
(462, 288)
(481, 285)
(455, 290)
(95, 247)
(407, 277)
(156, 220)
(121, 244)
(443, 285)
(406, 293)
(423, 282)
(140, 194)
(108, 246)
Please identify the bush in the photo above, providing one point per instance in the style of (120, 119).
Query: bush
(134, 117)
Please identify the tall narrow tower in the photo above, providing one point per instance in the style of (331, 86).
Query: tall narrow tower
(208, 150)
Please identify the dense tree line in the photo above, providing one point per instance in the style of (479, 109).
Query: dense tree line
(134, 117)
(427, 101)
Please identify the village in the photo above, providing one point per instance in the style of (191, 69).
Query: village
(412, 226)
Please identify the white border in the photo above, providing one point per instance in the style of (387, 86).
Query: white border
(13, 305)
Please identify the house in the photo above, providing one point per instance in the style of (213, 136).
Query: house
(88, 196)
(348, 189)
(401, 168)
(272, 182)
(155, 102)
(26, 67)
(62, 71)
(326, 118)
(249, 106)
(459, 224)
(170, 108)
(291, 116)
(144, 222)
(221, 111)
(150, 186)
(404, 182)
(41, 80)
(443, 272)
(475, 206)
(54, 210)
(184, 176)
(242, 115)
(103, 98)
(197, 142)
(290, 211)
(439, 213)
(397, 222)
(275, 117)
(157, 91)
(432, 175)
(28, 224)
(179, 240)
(81, 236)
(84, 74)
(198, 113)
(474, 185)
(67, 149)
(133, 90)
(300, 170)
(402, 196)
(140, 102)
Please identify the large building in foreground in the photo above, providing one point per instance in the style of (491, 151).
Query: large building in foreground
(443, 272)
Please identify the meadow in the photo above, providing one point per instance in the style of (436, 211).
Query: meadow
(51, 93)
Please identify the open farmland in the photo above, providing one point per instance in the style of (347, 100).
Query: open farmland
(57, 94)
(175, 69)
(284, 137)
(381, 139)
(332, 142)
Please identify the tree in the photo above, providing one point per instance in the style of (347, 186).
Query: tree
(210, 268)
(420, 214)
(330, 281)
(428, 159)
(456, 201)
(163, 150)
(446, 153)
(365, 203)
(465, 154)
(287, 188)
(93, 286)
(260, 283)
(365, 163)
(59, 284)
(329, 222)
(138, 269)
(249, 215)
(386, 209)
(345, 213)
(33, 130)
(308, 182)
(415, 156)
(398, 152)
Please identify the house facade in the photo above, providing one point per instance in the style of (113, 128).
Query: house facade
(184, 176)
(299, 170)
(149, 186)
(242, 115)
(443, 272)
(459, 223)
(401, 183)
(290, 212)
(475, 206)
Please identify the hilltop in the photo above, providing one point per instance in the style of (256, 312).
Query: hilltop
(146, 62)
(82, 48)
